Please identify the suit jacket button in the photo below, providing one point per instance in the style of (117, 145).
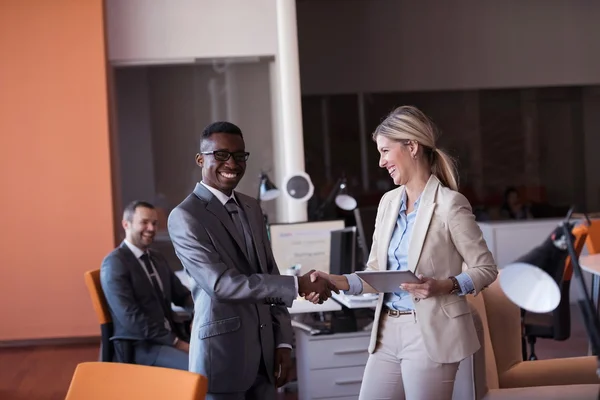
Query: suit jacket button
(262, 326)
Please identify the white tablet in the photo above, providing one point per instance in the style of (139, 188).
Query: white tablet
(387, 281)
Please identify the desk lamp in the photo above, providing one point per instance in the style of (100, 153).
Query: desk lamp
(533, 289)
(339, 194)
(266, 189)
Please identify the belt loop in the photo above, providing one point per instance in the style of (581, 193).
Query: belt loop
(414, 314)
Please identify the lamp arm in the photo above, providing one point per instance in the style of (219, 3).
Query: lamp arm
(589, 314)
(328, 200)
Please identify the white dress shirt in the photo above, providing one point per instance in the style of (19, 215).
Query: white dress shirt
(138, 253)
(223, 198)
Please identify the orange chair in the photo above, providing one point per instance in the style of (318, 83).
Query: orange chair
(107, 350)
(102, 381)
(593, 239)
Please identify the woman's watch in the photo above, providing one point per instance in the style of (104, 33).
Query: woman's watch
(455, 285)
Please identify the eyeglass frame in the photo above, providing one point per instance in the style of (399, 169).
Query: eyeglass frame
(229, 155)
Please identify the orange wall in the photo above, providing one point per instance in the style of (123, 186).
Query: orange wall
(55, 200)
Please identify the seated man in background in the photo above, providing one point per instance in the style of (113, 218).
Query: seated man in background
(139, 287)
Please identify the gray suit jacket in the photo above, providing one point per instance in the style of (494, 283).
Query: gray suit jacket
(240, 309)
(134, 307)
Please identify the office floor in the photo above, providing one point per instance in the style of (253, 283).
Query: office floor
(44, 373)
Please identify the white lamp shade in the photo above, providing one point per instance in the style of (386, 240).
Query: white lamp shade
(345, 202)
(529, 287)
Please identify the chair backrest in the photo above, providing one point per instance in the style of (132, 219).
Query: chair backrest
(478, 303)
(593, 237)
(92, 281)
(101, 381)
(581, 234)
(107, 350)
(504, 328)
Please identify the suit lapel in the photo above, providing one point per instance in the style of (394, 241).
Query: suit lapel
(388, 223)
(136, 268)
(215, 207)
(163, 274)
(256, 232)
(424, 214)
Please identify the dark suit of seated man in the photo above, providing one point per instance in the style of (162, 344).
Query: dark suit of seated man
(139, 287)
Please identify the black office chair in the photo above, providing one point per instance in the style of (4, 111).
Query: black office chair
(552, 257)
(110, 351)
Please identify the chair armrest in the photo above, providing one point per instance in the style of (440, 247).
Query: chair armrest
(558, 371)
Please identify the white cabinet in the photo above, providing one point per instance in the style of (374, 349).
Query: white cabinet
(331, 366)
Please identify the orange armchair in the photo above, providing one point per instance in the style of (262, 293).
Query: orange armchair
(102, 381)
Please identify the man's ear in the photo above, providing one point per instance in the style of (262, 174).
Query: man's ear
(125, 224)
(199, 159)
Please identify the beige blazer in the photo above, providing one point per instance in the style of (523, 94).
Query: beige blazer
(444, 236)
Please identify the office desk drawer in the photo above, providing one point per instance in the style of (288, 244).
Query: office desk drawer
(339, 352)
(336, 383)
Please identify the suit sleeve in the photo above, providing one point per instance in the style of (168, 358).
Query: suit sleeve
(468, 240)
(280, 317)
(220, 281)
(116, 284)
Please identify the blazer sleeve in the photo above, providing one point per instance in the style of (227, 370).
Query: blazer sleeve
(118, 290)
(280, 316)
(468, 241)
(220, 281)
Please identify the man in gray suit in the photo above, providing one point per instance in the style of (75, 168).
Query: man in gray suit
(139, 287)
(242, 335)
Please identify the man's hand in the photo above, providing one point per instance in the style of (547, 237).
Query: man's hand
(321, 287)
(182, 345)
(283, 365)
(428, 287)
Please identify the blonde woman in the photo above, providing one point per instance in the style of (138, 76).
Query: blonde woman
(422, 331)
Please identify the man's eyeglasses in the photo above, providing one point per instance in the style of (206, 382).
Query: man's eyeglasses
(224, 155)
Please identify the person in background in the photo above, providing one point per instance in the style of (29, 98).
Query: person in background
(422, 331)
(513, 208)
(139, 287)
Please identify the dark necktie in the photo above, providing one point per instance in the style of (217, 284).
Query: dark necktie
(154, 279)
(241, 224)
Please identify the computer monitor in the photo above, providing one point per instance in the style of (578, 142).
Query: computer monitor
(365, 224)
(342, 254)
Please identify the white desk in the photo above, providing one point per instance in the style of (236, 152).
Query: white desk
(591, 264)
(331, 366)
(509, 240)
(356, 301)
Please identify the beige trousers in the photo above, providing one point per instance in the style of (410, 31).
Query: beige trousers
(400, 368)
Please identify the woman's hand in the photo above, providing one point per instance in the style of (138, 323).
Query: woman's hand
(428, 287)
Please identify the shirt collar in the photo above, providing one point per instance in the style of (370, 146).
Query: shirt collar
(223, 198)
(137, 252)
(403, 202)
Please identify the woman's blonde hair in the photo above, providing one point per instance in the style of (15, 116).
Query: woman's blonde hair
(409, 123)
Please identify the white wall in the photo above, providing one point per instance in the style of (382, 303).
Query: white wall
(142, 31)
(349, 46)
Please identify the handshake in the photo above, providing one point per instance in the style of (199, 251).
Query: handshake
(316, 287)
